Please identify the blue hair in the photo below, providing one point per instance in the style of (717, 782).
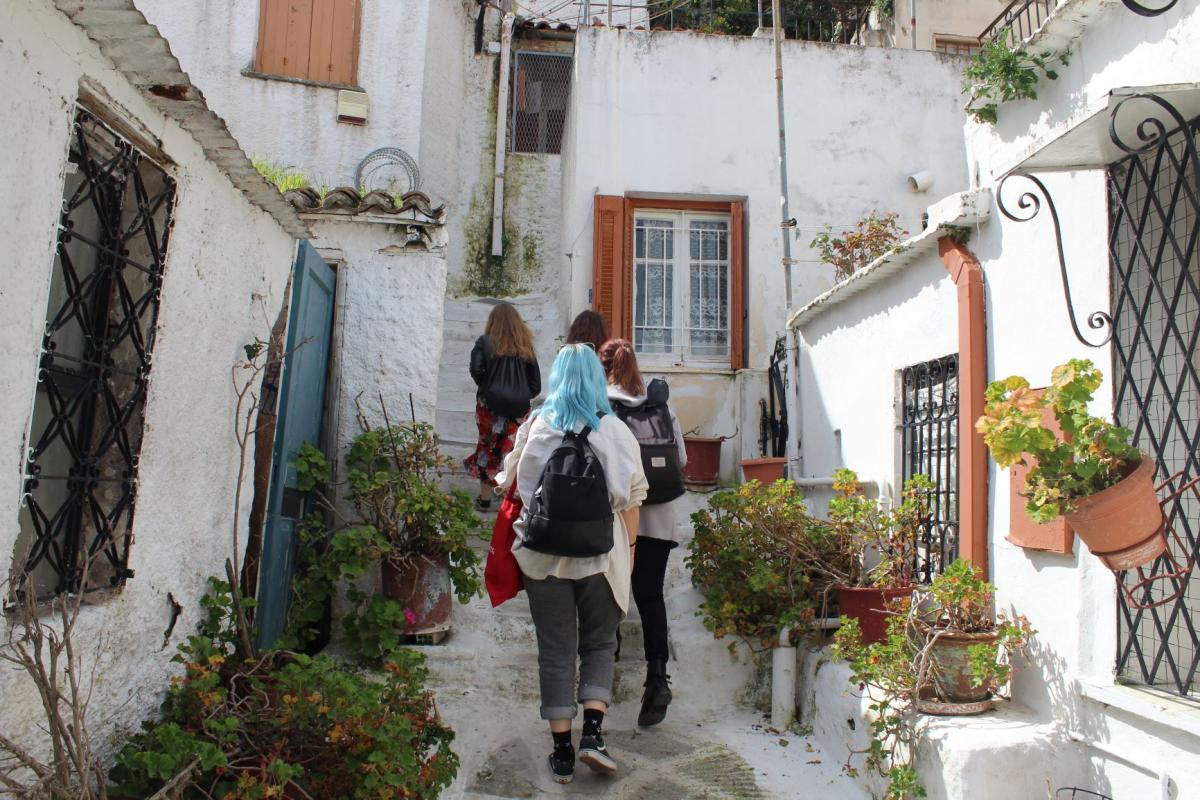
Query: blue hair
(578, 390)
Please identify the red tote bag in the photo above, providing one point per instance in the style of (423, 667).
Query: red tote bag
(501, 574)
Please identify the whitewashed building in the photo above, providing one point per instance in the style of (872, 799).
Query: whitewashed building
(144, 254)
(1108, 702)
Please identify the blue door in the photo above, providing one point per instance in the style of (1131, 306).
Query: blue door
(301, 400)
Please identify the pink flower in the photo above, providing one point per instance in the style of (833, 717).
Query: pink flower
(410, 617)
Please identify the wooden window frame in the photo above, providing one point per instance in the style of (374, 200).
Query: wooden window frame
(612, 242)
(267, 11)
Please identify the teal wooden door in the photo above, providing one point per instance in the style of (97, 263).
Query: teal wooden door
(301, 401)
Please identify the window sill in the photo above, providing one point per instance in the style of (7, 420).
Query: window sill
(687, 369)
(266, 76)
(1147, 704)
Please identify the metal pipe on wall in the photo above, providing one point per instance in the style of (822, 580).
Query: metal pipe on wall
(785, 225)
(506, 32)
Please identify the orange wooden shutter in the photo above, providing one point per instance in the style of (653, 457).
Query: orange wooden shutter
(737, 287)
(312, 39)
(610, 275)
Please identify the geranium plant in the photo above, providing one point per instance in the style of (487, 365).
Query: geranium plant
(1092, 455)
(873, 236)
(750, 559)
(904, 669)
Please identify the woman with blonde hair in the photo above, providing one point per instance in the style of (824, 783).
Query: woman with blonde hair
(654, 424)
(579, 473)
(504, 367)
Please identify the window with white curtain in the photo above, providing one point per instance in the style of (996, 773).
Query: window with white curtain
(681, 306)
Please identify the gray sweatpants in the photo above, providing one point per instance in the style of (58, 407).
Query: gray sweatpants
(573, 616)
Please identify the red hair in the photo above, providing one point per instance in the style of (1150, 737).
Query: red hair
(621, 367)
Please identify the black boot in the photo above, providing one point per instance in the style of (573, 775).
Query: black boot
(657, 696)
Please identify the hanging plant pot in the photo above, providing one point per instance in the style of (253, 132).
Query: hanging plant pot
(951, 672)
(763, 470)
(1123, 525)
(421, 584)
(703, 460)
(868, 605)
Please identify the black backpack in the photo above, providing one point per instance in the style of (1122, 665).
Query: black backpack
(506, 389)
(651, 425)
(569, 514)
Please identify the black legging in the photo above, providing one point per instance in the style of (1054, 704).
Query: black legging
(649, 572)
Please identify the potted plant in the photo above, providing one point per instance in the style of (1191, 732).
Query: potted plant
(703, 460)
(1093, 476)
(764, 470)
(393, 482)
(750, 558)
(946, 652)
(862, 530)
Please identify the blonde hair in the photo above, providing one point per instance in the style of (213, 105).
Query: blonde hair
(509, 334)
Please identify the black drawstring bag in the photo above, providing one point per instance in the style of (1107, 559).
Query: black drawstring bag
(569, 514)
(506, 389)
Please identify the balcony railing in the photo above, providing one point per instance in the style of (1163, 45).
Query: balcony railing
(1021, 18)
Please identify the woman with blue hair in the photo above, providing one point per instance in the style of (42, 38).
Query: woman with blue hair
(577, 602)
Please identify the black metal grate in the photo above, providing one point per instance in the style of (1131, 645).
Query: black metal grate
(86, 432)
(1022, 18)
(929, 431)
(1154, 217)
(541, 88)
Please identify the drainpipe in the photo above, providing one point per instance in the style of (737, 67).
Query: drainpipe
(785, 224)
(506, 31)
(783, 682)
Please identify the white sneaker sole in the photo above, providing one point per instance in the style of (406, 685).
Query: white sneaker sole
(562, 779)
(598, 761)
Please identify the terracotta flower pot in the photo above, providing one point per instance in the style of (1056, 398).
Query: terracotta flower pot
(1123, 525)
(703, 460)
(763, 470)
(422, 585)
(868, 605)
(952, 681)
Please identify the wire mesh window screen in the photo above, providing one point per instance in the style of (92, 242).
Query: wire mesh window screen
(1154, 228)
(86, 431)
(929, 447)
(681, 291)
(540, 91)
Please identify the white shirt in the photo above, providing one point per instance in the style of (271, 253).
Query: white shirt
(620, 457)
(657, 521)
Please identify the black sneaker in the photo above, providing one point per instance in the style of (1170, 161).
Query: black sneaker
(482, 505)
(593, 753)
(562, 768)
(657, 696)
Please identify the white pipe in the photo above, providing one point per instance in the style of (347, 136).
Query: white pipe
(1164, 780)
(880, 486)
(506, 30)
(783, 682)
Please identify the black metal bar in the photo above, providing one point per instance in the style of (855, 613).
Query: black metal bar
(929, 444)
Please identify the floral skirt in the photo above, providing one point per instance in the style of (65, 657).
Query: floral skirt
(496, 436)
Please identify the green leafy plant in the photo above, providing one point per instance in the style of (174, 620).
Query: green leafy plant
(900, 670)
(885, 8)
(873, 236)
(1093, 455)
(285, 178)
(254, 727)
(1001, 72)
(749, 558)
(860, 527)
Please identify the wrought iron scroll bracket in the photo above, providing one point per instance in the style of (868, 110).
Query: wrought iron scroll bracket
(1146, 11)
(1029, 205)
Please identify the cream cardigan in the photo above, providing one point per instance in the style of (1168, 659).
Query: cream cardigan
(621, 458)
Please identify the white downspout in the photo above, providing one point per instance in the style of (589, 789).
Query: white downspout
(506, 31)
(783, 682)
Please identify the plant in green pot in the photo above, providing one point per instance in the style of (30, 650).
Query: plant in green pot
(946, 652)
(873, 549)
(1092, 475)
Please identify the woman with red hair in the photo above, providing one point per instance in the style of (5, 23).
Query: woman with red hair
(649, 416)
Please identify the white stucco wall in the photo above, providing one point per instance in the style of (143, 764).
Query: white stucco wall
(226, 269)
(693, 116)
(957, 18)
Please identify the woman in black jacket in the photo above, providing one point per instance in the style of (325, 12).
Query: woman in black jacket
(504, 367)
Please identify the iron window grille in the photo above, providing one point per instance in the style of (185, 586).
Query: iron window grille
(929, 447)
(80, 473)
(1154, 230)
(540, 92)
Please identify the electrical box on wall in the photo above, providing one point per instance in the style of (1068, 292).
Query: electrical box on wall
(352, 107)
